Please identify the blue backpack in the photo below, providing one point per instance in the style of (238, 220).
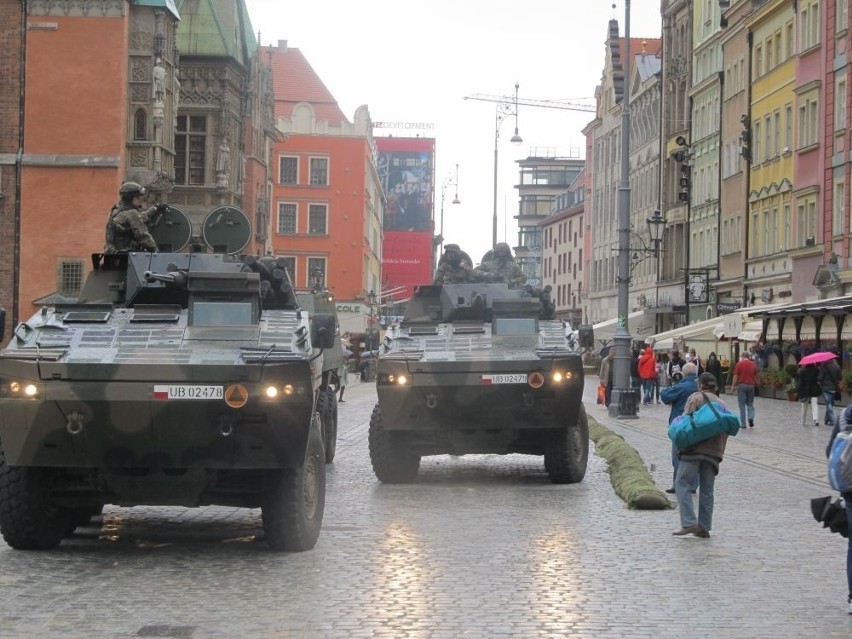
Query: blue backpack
(840, 457)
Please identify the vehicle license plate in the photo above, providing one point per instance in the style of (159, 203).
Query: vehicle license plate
(188, 391)
(514, 378)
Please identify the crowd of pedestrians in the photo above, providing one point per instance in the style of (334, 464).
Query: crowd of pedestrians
(686, 384)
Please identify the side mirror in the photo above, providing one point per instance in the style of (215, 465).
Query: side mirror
(323, 330)
(586, 335)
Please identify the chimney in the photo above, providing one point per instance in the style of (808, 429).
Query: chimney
(282, 44)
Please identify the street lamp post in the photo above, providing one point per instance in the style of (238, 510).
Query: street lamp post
(504, 110)
(448, 182)
(625, 401)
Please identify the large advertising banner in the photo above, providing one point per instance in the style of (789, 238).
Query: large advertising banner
(406, 262)
(406, 170)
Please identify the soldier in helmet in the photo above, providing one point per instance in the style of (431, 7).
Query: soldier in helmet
(126, 228)
(503, 268)
(454, 267)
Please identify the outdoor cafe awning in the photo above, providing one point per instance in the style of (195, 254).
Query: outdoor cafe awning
(704, 331)
(639, 323)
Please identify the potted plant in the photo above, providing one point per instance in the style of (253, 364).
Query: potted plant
(846, 381)
(792, 372)
(768, 380)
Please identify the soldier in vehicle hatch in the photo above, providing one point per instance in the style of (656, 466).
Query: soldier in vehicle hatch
(454, 267)
(503, 268)
(126, 229)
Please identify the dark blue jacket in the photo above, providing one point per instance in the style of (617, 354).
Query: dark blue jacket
(678, 394)
(842, 423)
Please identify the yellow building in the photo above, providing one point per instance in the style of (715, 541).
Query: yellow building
(770, 221)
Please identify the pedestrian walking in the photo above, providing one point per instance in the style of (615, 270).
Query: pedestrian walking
(647, 369)
(714, 367)
(809, 391)
(844, 423)
(695, 358)
(342, 378)
(674, 365)
(745, 379)
(676, 396)
(606, 373)
(699, 464)
(829, 382)
(661, 381)
(635, 379)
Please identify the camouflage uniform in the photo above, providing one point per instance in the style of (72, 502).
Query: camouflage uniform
(503, 268)
(453, 268)
(126, 229)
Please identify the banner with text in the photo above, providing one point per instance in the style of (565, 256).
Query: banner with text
(406, 261)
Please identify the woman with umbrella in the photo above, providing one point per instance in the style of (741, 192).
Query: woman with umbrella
(829, 379)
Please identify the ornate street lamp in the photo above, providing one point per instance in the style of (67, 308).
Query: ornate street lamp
(505, 110)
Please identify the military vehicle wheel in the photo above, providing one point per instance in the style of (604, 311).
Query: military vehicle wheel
(293, 501)
(328, 416)
(28, 519)
(567, 452)
(392, 464)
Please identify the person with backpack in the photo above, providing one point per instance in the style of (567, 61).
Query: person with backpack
(686, 383)
(845, 424)
(699, 465)
(675, 365)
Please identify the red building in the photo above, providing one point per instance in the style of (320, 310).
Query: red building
(407, 171)
(327, 202)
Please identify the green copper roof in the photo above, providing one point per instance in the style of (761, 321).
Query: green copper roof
(168, 5)
(216, 28)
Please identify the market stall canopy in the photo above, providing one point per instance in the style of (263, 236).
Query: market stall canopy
(640, 325)
(752, 331)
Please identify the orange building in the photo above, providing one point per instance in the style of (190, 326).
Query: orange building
(327, 201)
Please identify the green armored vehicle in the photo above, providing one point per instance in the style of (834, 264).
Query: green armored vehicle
(176, 379)
(480, 368)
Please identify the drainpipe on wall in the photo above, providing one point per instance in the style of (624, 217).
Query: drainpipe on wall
(19, 157)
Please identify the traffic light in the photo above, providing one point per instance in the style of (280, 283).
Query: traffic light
(683, 156)
(745, 138)
(683, 194)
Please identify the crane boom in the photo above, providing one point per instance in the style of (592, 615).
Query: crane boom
(566, 105)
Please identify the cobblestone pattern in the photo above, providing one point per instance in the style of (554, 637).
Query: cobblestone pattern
(479, 546)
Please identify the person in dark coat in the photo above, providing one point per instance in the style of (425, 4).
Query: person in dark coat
(809, 391)
(829, 375)
(676, 396)
(714, 367)
(699, 463)
(844, 423)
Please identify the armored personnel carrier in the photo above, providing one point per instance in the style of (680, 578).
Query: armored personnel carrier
(178, 378)
(480, 368)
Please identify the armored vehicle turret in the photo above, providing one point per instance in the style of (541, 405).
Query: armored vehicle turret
(176, 379)
(480, 368)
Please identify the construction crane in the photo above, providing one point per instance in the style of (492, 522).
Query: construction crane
(567, 105)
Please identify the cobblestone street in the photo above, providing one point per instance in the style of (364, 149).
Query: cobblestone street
(479, 546)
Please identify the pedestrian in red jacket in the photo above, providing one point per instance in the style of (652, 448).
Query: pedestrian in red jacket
(647, 374)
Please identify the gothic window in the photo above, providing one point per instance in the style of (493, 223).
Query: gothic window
(140, 125)
(191, 150)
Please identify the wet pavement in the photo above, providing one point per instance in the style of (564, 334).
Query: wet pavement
(479, 546)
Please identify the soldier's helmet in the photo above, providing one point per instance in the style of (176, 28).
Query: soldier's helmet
(130, 190)
(451, 247)
(502, 251)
